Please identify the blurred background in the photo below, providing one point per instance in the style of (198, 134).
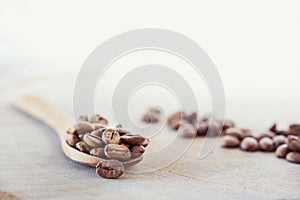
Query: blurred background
(255, 46)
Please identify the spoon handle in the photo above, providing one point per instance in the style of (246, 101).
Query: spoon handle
(41, 110)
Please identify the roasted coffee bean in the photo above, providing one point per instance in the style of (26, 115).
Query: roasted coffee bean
(98, 152)
(152, 115)
(285, 133)
(293, 143)
(228, 124)
(191, 118)
(260, 135)
(92, 140)
(187, 130)
(84, 127)
(132, 139)
(146, 142)
(279, 140)
(98, 132)
(116, 151)
(266, 144)
(294, 130)
(72, 131)
(137, 151)
(83, 118)
(174, 120)
(82, 147)
(72, 139)
(249, 144)
(230, 141)
(214, 130)
(273, 128)
(122, 131)
(202, 128)
(110, 136)
(236, 132)
(282, 151)
(98, 119)
(98, 126)
(110, 169)
(293, 157)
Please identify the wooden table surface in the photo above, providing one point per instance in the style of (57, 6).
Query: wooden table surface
(32, 165)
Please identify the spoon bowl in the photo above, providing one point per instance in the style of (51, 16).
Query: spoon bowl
(44, 112)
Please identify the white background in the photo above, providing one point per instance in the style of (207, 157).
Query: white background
(254, 44)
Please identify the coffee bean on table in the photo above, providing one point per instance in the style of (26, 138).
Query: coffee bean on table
(228, 124)
(293, 143)
(152, 115)
(279, 140)
(229, 141)
(235, 132)
(82, 147)
(110, 169)
(92, 140)
(137, 151)
(202, 128)
(187, 130)
(116, 151)
(266, 144)
(98, 119)
(293, 157)
(249, 144)
(84, 127)
(132, 139)
(83, 118)
(260, 135)
(282, 151)
(98, 152)
(110, 136)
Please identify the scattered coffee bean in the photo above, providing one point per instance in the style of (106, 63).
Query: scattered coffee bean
(98, 119)
(187, 130)
(175, 119)
(132, 139)
(152, 115)
(266, 144)
(83, 118)
(137, 151)
(260, 135)
(293, 143)
(236, 132)
(84, 127)
(116, 151)
(202, 128)
(98, 152)
(293, 157)
(92, 140)
(72, 139)
(110, 136)
(228, 124)
(191, 118)
(82, 147)
(230, 141)
(279, 140)
(110, 169)
(282, 151)
(249, 144)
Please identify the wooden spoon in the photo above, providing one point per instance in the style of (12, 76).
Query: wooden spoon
(59, 122)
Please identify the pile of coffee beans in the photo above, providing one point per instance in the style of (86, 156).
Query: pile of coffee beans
(190, 125)
(285, 144)
(114, 145)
